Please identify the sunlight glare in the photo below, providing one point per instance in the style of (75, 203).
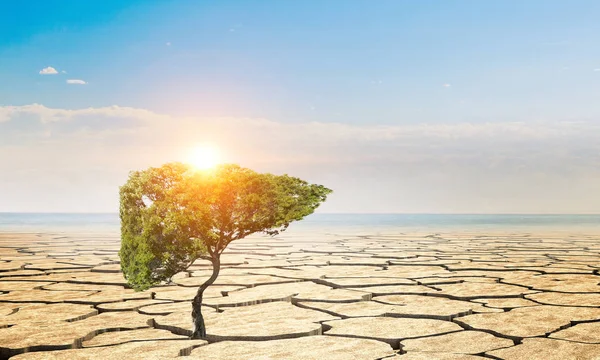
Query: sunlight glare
(204, 157)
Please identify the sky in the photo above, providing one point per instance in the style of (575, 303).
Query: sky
(447, 106)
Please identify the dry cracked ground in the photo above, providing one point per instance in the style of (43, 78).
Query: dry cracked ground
(405, 296)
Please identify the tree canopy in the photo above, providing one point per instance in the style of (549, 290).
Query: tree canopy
(173, 215)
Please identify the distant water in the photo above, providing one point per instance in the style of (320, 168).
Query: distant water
(109, 223)
(59, 222)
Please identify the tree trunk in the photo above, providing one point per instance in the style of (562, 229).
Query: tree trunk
(199, 327)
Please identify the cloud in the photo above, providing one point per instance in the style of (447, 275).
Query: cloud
(533, 130)
(443, 167)
(314, 137)
(447, 85)
(76, 82)
(235, 27)
(168, 43)
(45, 115)
(596, 70)
(64, 72)
(48, 71)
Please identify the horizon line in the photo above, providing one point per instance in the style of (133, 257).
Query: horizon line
(322, 213)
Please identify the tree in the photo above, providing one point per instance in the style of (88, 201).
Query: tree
(173, 215)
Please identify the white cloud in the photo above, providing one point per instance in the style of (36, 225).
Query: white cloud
(64, 72)
(495, 166)
(168, 43)
(48, 71)
(76, 82)
(48, 115)
(446, 85)
(488, 135)
(596, 69)
(513, 130)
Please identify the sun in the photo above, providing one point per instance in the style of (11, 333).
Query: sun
(204, 157)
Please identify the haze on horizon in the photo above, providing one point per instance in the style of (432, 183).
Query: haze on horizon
(399, 106)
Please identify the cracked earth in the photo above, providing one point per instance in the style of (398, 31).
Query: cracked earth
(310, 296)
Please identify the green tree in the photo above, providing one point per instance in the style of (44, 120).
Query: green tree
(173, 215)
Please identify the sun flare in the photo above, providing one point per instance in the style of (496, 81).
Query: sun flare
(204, 157)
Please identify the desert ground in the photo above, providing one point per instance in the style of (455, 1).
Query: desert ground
(448, 295)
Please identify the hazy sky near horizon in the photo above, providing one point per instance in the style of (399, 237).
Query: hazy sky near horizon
(399, 106)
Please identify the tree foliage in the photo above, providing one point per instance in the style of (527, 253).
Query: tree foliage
(173, 215)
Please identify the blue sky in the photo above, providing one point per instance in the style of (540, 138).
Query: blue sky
(293, 61)
(418, 67)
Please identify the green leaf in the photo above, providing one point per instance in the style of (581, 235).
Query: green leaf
(172, 215)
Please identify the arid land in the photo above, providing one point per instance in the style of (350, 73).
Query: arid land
(446, 295)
